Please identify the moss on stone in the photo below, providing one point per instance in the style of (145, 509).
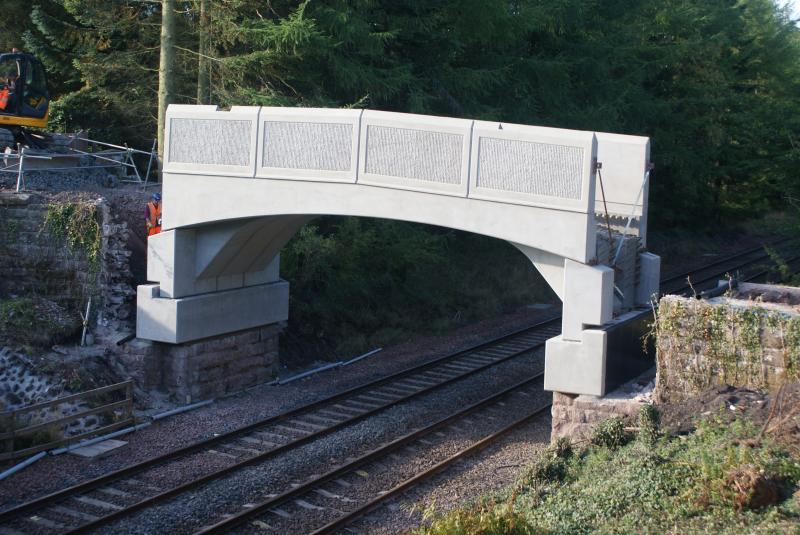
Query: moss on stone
(78, 224)
(700, 344)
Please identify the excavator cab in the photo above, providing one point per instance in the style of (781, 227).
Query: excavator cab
(24, 99)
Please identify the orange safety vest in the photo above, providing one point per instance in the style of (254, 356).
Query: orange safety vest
(4, 94)
(155, 218)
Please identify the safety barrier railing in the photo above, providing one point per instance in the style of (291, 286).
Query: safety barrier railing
(20, 437)
(116, 156)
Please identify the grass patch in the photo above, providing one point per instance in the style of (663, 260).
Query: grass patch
(722, 478)
(34, 322)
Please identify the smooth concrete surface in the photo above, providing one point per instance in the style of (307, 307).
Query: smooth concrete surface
(192, 318)
(576, 367)
(176, 260)
(588, 298)
(649, 285)
(200, 200)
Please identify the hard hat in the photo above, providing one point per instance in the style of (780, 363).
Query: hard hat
(156, 196)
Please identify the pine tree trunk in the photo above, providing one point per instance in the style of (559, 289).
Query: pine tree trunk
(165, 69)
(203, 96)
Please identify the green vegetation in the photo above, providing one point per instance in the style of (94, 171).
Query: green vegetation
(713, 83)
(360, 283)
(731, 341)
(34, 322)
(78, 224)
(722, 478)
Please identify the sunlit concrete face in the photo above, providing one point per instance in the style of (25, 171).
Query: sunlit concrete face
(238, 185)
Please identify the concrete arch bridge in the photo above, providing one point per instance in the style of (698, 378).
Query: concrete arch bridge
(239, 184)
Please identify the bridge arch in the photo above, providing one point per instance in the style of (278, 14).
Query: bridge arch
(239, 184)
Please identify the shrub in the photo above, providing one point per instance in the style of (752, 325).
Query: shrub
(610, 434)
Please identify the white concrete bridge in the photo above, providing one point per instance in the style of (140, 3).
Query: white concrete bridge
(239, 184)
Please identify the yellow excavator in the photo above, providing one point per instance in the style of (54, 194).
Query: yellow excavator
(24, 99)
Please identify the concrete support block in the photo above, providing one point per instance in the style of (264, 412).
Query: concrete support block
(588, 298)
(649, 276)
(201, 316)
(576, 367)
(175, 259)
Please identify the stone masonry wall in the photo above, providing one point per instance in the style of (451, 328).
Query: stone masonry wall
(205, 368)
(741, 343)
(575, 416)
(33, 262)
(742, 340)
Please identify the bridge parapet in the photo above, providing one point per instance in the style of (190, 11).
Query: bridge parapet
(238, 184)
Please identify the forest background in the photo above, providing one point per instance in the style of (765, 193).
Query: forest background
(715, 84)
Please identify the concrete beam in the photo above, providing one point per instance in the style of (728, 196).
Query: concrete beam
(576, 367)
(200, 316)
(588, 299)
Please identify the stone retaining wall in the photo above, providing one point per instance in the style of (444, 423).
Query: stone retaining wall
(205, 368)
(34, 262)
(750, 338)
(724, 341)
(575, 416)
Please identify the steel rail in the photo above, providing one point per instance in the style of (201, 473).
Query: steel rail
(222, 472)
(766, 271)
(342, 521)
(380, 452)
(87, 486)
(682, 276)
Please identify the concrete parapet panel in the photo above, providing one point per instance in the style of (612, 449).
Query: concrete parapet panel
(308, 144)
(576, 367)
(532, 165)
(648, 285)
(416, 152)
(201, 316)
(625, 160)
(204, 140)
(588, 298)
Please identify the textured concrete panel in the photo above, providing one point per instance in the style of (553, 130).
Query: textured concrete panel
(210, 141)
(547, 167)
(202, 139)
(416, 152)
(317, 146)
(533, 168)
(309, 144)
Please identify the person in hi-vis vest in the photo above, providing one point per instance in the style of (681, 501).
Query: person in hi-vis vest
(152, 215)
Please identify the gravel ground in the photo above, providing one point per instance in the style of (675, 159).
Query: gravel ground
(484, 473)
(53, 473)
(190, 512)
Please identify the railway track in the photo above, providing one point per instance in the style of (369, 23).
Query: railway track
(313, 506)
(710, 273)
(98, 502)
